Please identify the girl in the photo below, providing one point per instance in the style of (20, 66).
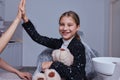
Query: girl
(69, 24)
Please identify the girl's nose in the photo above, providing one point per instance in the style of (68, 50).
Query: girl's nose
(65, 27)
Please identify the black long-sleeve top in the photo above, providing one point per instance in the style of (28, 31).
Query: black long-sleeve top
(74, 72)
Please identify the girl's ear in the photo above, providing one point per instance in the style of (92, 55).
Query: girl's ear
(78, 27)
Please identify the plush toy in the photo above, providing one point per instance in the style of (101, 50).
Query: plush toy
(49, 74)
(63, 55)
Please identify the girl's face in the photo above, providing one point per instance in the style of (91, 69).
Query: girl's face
(67, 27)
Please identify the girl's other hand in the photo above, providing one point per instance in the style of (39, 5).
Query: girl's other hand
(46, 65)
(25, 75)
(23, 11)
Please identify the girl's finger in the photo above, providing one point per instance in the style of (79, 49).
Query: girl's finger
(24, 3)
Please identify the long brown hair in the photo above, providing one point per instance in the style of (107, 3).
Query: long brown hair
(74, 16)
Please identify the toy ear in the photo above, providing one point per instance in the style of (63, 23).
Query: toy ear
(51, 74)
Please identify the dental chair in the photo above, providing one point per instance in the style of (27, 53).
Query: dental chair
(90, 53)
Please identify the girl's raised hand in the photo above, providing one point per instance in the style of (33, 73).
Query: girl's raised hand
(22, 8)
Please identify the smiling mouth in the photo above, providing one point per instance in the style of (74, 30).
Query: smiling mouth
(65, 33)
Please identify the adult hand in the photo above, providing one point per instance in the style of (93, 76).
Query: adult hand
(46, 65)
(25, 75)
(19, 14)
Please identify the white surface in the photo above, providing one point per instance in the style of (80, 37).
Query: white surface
(115, 29)
(105, 65)
(8, 76)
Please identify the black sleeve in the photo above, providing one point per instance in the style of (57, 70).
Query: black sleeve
(32, 32)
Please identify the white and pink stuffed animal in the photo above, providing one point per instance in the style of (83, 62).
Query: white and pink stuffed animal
(63, 55)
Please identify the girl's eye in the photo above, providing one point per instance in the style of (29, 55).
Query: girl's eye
(69, 25)
(61, 24)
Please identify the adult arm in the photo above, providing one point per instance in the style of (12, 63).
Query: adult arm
(24, 75)
(6, 36)
(4, 39)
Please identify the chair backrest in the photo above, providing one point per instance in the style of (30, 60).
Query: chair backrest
(90, 53)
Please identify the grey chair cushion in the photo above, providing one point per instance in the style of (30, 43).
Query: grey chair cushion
(45, 55)
(90, 53)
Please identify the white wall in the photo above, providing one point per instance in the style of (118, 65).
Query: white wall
(11, 8)
(94, 15)
(115, 38)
